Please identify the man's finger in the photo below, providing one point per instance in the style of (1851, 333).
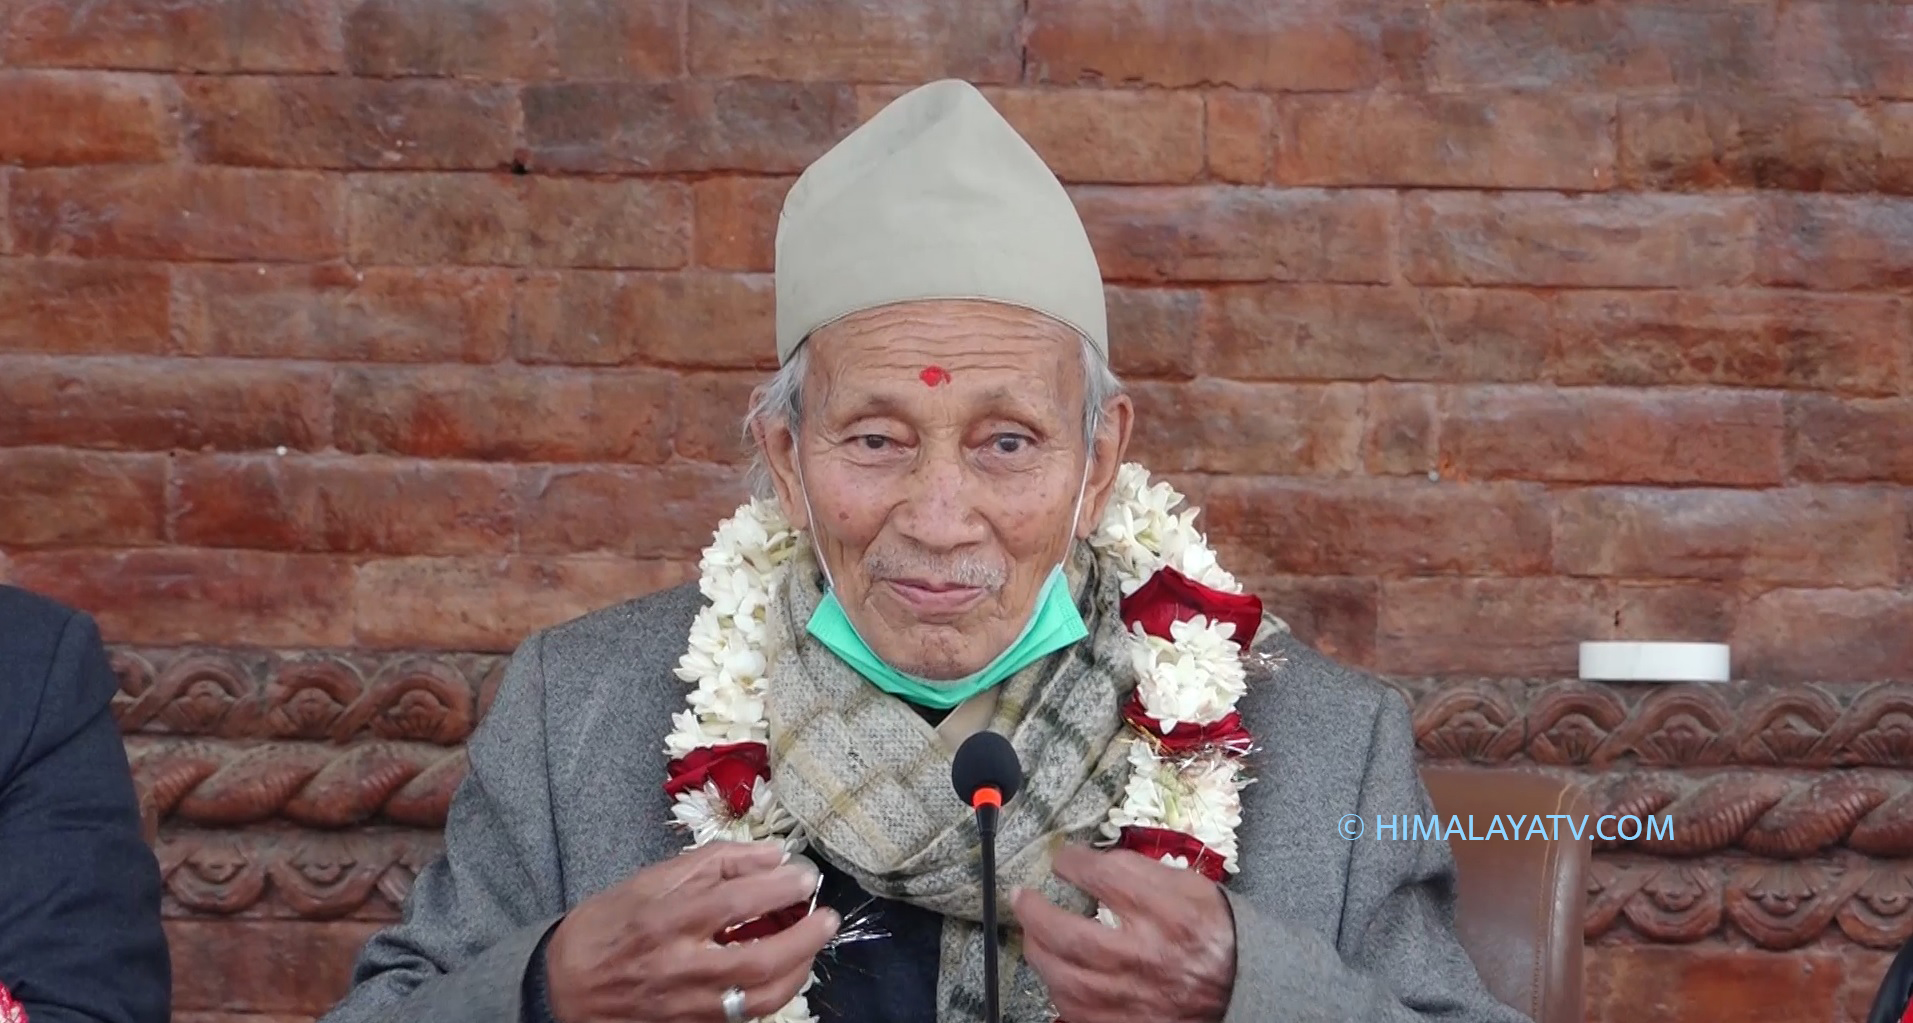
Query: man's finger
(1128, 883)
(1077, 991)
(704, 913)
(706, 867)
(763, 965)
(1081, 940)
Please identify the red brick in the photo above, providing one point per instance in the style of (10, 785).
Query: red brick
(359, 505)
(1335, 616)
(1589, 47)
(84, 308)
(54, 497)
(711, 408)
(1590, 241)
(590, 509)
(1676, 611)
(497, 39)
(1836, 242)
(506, 414)
(350, 123)
(1845, 49)
(1153, 332)
(1238, 136)
(1094, 135)
(1826, 634)
(1497, 627)
(1797, 536)
(601, 319)
(621, 38)
(290, 968)
(1227, 427)
(1895, 127)
(155, 405)
(183, 595)
(1239, 234)
(181, 35)
(179, 213)
(1377, 527)
(493, 604)
(57, 117)
(1711, 982)
(1313, 332)
(333, 312)
(1856, 440)
(910, 41)
(1618, 436)
(1678, 143)
(750, 126)
(737, 222)
(1399, 436)
(517, 221)
(1516, 141)
(1743, 339)
(1306, 46)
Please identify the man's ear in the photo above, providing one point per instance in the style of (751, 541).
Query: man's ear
(778, 445)
(1106, 453)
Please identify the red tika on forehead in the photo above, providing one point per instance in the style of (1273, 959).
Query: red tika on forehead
(934, 376)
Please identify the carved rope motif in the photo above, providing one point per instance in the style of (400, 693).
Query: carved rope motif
(1778, 906)
(317, 785)
(1767, 813)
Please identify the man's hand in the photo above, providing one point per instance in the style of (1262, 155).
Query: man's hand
(644, 950)
(1172, 958)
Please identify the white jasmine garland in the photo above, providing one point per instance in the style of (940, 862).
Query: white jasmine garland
(1194, 677)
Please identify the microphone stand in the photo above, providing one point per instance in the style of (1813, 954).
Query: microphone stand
(986, 832)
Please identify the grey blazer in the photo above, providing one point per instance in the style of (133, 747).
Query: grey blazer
(565, 799)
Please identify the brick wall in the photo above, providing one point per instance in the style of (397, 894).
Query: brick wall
(381, 333)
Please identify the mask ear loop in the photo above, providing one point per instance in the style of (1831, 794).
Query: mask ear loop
(810, 517)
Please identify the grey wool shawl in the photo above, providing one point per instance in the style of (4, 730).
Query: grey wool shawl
(869, 779)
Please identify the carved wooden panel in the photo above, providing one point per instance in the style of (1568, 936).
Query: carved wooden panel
(308, 787)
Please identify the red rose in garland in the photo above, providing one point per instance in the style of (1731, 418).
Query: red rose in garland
(1228, 734)
(10, 1010)
(733, 768)
(1156, 843)
(1169, 597)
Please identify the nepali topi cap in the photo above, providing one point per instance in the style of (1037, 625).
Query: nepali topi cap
(936, 197)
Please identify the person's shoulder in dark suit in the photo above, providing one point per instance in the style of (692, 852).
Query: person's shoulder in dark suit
(80, 935)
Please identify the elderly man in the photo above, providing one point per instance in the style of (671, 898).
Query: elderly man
(733, 800)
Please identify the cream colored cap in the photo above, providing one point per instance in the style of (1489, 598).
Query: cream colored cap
(936, 197)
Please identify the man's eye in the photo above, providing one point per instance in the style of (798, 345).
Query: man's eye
(1009, 443)
(873, 442)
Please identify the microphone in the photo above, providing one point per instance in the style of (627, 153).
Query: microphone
(987, 774)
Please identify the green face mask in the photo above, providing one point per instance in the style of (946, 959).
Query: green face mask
(1053, 625)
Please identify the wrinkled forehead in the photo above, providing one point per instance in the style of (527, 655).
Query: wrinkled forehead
(943, 354)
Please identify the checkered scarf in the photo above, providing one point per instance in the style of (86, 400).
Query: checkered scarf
(869, 780)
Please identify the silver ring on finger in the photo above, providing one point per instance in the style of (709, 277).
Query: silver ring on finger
(734, 1005)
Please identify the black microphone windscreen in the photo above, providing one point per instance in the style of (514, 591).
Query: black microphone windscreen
(986, 760)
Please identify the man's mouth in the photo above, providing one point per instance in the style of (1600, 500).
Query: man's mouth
(931, 598)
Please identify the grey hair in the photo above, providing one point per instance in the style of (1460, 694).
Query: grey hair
(782, 400)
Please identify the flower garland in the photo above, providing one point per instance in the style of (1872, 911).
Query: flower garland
(1189, 622)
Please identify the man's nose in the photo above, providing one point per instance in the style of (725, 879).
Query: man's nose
(939, 511)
